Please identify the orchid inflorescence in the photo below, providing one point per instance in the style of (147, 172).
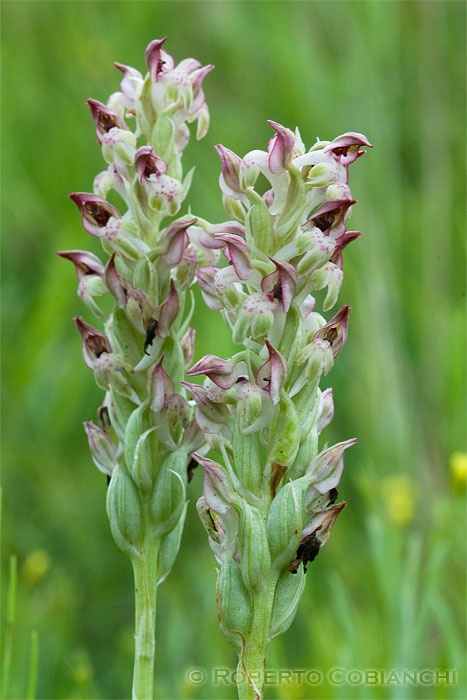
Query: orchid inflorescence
(269, 503)
(145, 432)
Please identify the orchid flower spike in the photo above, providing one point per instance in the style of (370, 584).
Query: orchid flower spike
(269, 502)
(146, 431)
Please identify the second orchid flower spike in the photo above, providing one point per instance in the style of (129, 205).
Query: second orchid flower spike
(269, 503)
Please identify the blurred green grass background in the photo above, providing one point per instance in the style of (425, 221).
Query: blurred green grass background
(389, 589)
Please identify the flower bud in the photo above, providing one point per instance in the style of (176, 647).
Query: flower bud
(205, 277)
(203, 122)
(329, 276)
(217, 490)
(250, 407)
(236, 252)
(327, 172)
(160, 386)
(230, 172)
(94, 342)
(164, 193)
(89, 270)
(85, 263)
(320, 360)
(103, 449)
(140, 311)
(168, 312)
(117, 285)
(271, 375)
(186, 268)
(176, 240)
(221, 372)
(177, 412)
(89, 287)
(210, 523)
(326, 469)
(109, 371)
(320, 250)
(327, 411)
(130, 85)
(255, 318)
(187, 344)
(338, 190)
(280, 148)
(210, 416)
(119, 145)
(229, 288)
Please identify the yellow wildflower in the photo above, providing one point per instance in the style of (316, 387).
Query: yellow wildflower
(35, 566)
(398, 496)
(458, 466)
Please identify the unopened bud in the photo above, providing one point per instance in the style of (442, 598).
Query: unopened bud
(103, 449)
(329, 276)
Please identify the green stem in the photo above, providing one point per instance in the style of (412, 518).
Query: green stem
(31, 691)
(10, 626)
(145, 571)
(252, 663)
